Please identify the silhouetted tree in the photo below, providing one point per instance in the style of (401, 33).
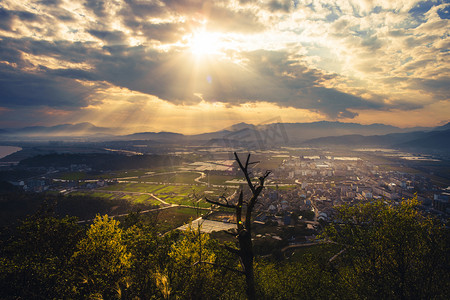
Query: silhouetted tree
(244, 228)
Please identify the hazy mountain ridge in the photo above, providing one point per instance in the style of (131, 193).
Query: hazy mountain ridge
(79, 129)
(437, 139)
(314, 133)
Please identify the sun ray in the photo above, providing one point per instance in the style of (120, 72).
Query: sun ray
(203, 43)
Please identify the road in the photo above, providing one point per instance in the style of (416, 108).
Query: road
(167, 205)
(126, 214)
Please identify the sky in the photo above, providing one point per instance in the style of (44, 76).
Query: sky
(193, 66)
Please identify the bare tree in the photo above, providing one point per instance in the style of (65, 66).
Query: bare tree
(244, 228)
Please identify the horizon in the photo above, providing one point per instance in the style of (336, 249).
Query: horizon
(125, 133)
(194, 67)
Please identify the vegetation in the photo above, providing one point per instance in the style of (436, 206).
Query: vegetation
(391, 251)
(84, 205)
(100, 161)
(375, 250)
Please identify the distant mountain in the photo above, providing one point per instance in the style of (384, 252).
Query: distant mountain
(438, 140)
(443, 127)
(262, 136)
(304, 131)
(63, 130)
(297, 133)
(435, 140)
(169, 137)
(240, 126)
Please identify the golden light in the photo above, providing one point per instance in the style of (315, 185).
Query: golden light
(205, 43)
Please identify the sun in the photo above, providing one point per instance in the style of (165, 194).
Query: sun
(205, 43)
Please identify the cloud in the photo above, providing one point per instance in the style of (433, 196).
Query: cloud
(98, 7)
(439, 88)
(111, 37)
(335, 58)
(37, 89)
(280, 5)
(7, 17)
(271, 76)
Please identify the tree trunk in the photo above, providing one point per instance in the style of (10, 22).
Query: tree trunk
(246, 256)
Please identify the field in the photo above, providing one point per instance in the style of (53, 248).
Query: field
(133, 199)
(134, 187)
(270, 163)
(218, 179)
(179, 194)
(172, 177)
(172, 218)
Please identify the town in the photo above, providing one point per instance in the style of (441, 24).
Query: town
(302, 180)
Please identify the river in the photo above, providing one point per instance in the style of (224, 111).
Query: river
(7, 150)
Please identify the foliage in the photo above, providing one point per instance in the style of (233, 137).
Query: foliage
(101, 260)
(372, 250)
(390, 251)
(200, 268)
(35, 257)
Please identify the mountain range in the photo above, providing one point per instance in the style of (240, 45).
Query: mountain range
(62, 130)
(323, 133)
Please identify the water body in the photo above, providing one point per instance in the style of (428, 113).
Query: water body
(7, 150)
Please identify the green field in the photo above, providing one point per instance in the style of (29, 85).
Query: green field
(185, 200)
(219, 179)
(179, 177)
(181, 189)
(133, 199)
(134, 187)
(175, 194)
(169, 219)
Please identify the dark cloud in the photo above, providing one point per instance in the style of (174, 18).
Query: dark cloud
(111, 37)
(11, 54)
(7, 17)
(97, 6)
(334, 103)
(19, 88)
(280, 5)
(397, 33)
(269, 76)
(272, 76)
(63, 15)
(74, 52)
(50, 2)
(372, 43)
(72, 73)
(173, 75)
(220, 16)
(439, 88)
(142, 9)
(163, 32)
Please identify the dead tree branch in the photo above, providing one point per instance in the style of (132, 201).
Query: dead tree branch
(245, 250)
